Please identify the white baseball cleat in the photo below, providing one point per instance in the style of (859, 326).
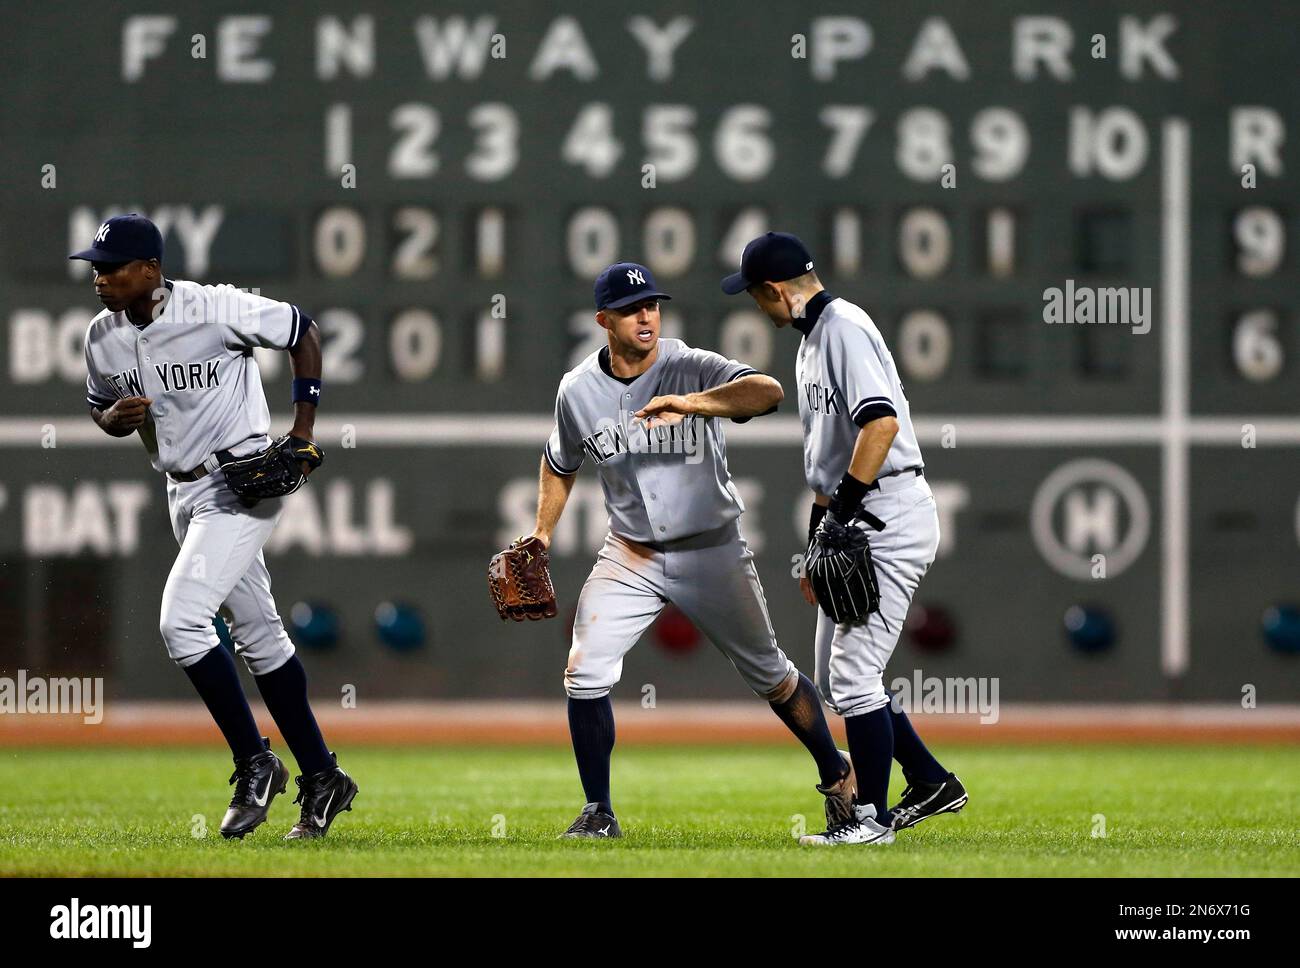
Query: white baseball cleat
(863, 829)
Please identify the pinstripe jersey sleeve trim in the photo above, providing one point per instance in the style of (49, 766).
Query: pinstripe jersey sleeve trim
(298, 328)
(546, 452)
(747, 371)
(100, 402)
(873, 408)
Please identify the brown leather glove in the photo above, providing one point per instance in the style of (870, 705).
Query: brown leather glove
(519, 580)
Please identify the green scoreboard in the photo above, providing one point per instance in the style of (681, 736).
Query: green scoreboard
(1074, 224)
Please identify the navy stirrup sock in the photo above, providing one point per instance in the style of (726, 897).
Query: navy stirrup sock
(591, 724)
(217, 682)
(871, 744)
(284, 691)
(803, 716)
(913, 756)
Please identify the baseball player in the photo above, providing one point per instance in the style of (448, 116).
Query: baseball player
(862, 461)
(646, 411)
(173, 361)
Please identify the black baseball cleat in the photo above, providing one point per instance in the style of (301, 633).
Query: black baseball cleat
(323, 796)
(593, 822)
(921, 801)
(258, 780)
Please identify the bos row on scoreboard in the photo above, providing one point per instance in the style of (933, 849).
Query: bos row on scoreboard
(420, 343)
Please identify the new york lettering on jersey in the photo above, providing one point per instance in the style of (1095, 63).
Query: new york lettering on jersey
(847, 378)
(126, 384)
(822, 399)
(189, 376)
(661, 483)
(195, 362)
(628, 435)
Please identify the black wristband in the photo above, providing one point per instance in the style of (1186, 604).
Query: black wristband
(818, 512)
(306, 390)
(847, 500)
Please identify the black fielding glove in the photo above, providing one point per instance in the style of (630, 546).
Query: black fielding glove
(841, 570)
(274, 472)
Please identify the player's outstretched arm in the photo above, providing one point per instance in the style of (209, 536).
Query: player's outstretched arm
(749, 396)
(552, 494)
(123, 418)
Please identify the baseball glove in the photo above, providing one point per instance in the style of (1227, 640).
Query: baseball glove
(519, 580)
(842, 573)
(274, 472)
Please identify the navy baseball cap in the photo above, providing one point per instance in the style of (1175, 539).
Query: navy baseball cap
(124, 238)
(625, 283)
(774, 257)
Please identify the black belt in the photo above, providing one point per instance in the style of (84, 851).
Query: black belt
(185, 477)
(917, 470)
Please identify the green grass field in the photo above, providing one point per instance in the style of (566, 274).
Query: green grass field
(1169, 811)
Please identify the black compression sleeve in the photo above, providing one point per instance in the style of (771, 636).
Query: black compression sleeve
(848, 498)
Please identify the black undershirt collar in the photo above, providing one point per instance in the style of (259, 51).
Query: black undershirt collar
(812, 312)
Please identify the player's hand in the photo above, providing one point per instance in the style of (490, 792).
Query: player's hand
(665, 411)
(805, 586)
(307, 435)
(127, 413)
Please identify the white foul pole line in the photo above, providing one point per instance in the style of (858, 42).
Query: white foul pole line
(1175, 283)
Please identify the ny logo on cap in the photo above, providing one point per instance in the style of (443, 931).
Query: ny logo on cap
(102, 234)
(635, 276)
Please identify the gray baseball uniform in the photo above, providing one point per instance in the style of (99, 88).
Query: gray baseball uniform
(674, 534)
(195, 362)
(847, 378)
